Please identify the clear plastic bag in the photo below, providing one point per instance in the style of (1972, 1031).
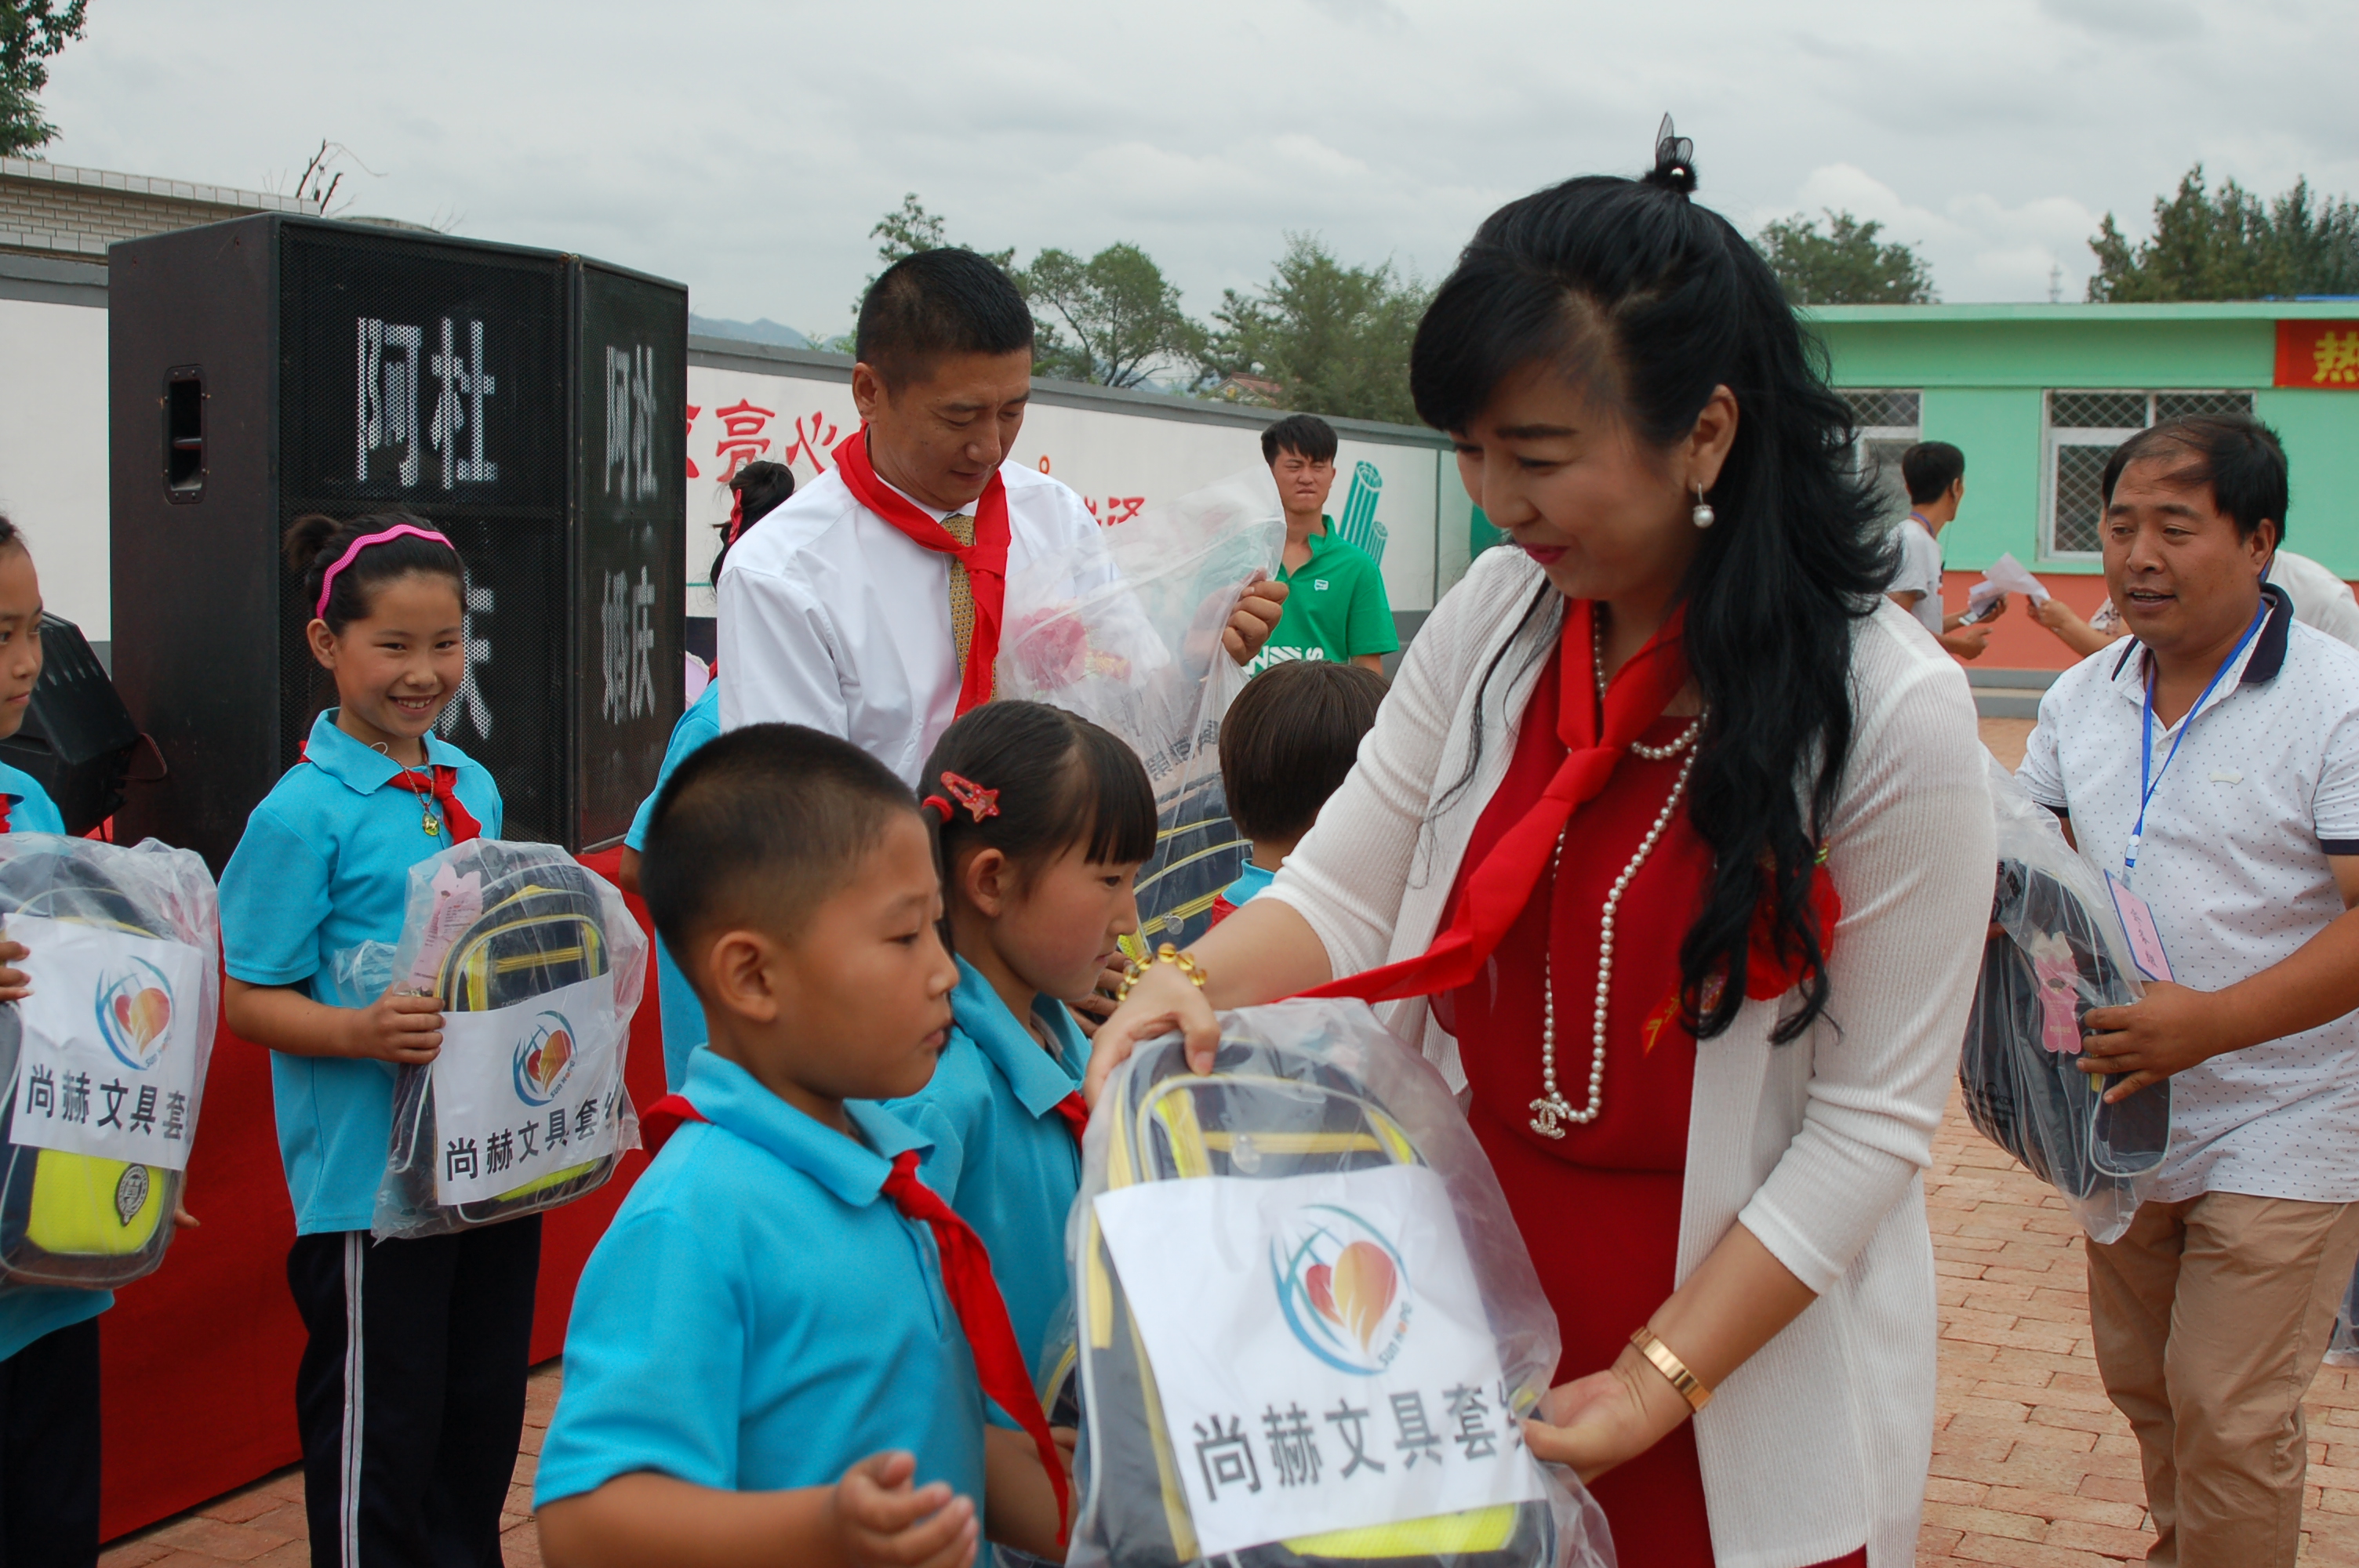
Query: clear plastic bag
(1353, 1294)
(2342, 1350)
(1125, 632)
(539, 966)
(2057, 950)
(103, 1067)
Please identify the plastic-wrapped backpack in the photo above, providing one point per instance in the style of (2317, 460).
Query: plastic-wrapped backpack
(1124, 631)
(2058, 951)
(1297, 1088)
(81, 1219)
(544, 922)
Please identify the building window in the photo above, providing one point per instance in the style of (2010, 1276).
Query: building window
(1890, 421)
(2084, 428)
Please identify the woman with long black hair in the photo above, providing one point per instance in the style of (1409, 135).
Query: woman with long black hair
(1672, 846)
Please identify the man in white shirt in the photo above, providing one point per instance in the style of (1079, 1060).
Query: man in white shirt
(2211, 761)
(869, 605)
(1935, 473)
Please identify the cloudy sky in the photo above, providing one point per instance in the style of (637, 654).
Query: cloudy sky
(746, 147)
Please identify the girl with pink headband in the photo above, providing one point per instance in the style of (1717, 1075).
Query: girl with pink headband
(411, 1393)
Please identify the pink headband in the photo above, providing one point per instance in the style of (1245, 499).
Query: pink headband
(327, 583)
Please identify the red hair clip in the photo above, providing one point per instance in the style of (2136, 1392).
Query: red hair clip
(979, 802)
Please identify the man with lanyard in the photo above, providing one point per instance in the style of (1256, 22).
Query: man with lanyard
(2211, 766)
(868, 606)
(1935, 475)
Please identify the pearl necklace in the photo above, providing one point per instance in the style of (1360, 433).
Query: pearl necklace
(1552, 1109)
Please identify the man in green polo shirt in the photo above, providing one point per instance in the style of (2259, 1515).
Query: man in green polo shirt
(1336, 607)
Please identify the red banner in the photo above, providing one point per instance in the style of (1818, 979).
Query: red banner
(2320, 356)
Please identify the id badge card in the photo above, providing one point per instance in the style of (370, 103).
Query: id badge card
(2138, 921)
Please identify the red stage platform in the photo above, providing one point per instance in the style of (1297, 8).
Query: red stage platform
(199, 1357)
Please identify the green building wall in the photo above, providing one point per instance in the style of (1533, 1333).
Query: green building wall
(1985, 371)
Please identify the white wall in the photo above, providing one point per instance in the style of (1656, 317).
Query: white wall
(1119, 462)
(53, 481)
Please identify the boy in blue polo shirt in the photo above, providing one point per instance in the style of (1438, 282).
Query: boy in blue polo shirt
(770, 1355)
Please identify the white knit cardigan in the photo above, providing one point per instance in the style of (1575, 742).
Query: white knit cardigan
(1822, 1440)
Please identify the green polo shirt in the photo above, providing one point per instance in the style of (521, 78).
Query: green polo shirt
(1335, 608)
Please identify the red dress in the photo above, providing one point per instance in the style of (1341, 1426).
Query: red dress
(1599, 1207)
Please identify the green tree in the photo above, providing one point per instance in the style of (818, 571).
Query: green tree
(903, 231)
(31, 31)
(1335, 338)
(1844, 263)
(2230, 244)
(1123, 317)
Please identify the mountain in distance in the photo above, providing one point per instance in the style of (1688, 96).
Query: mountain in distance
(762, 331)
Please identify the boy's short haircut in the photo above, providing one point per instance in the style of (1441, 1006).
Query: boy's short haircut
(760, 826)
(1289, 739)
(1307, 434)
(934, 303)
(2234, 456)
(1929, 469)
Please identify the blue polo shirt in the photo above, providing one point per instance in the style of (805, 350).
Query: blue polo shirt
(1250, 884)
(325, 866)
(683, 1015)
(759, 1315)
(1002, 1156)
(29, 1313)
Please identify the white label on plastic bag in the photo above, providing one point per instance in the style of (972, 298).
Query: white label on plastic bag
(109, 1061)
(524, 1092)
(1321, 1349)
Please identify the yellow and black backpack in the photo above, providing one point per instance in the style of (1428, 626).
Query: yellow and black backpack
(79, 1220)
(543, 927)
(1261, 1114)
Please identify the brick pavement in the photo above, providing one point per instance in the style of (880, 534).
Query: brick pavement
(2032, 1466)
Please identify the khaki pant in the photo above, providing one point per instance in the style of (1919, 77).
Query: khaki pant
(2210, 1317)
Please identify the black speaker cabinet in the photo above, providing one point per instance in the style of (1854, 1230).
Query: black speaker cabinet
(529, 405)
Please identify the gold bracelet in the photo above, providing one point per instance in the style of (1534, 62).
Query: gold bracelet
(1689, 1385)
(1134, 971)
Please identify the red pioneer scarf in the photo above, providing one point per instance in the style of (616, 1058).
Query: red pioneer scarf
(966, 1280)
(445, 792)
(1498, 889)
(1073, 1107)
(985, 560)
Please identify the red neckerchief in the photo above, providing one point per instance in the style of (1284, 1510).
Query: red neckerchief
(985, 560)
(1498, 889)
(445, 794)
(966, 1280)
(1073, 1107)
(6, 801)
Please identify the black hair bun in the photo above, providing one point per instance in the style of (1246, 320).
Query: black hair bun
(1674, 161)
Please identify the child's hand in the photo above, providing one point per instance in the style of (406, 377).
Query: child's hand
(397, 1027)
(16, 985)
(878, 1518)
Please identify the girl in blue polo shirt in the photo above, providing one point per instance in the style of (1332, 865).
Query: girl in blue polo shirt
(410, 1392)
(1045, 820)
(49, 1337)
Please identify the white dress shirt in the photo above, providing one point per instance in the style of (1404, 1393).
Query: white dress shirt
(1919, 572)
(832, 617)
(2234, 861)
(1821, 1440)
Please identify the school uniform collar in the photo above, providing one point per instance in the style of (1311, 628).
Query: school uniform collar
(1040, 1081)
(363, 769)
(732, 1099)
(2263, 661)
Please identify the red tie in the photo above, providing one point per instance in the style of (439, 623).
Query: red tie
(983, 1312)
(1498, 889)
(966, 1280)
(1073, 1107)
(985, 560)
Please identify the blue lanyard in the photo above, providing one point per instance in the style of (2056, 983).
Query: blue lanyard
(2148, 786)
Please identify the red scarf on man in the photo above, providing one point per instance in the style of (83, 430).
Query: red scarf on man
(966, 1280)
(985, 560)
(1498, 889)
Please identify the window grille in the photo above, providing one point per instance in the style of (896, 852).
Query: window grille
(2084, 428)
(1889, 421)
